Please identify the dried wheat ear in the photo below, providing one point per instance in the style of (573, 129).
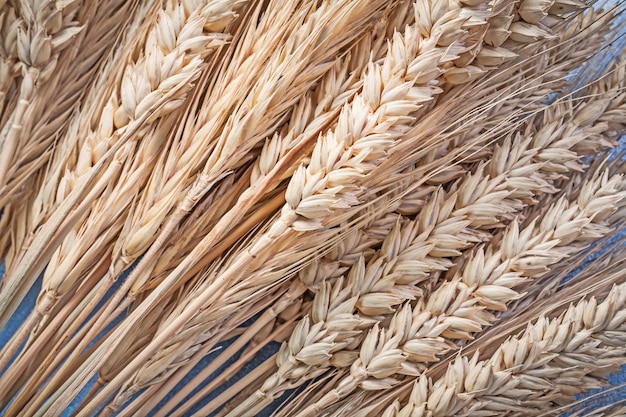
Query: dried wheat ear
(376, 185)
(552, 360)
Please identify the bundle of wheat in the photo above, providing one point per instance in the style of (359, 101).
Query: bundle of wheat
(376, 197)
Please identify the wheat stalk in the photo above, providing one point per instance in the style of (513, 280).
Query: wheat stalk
(82, 250)
(276, 309)
(160, 367)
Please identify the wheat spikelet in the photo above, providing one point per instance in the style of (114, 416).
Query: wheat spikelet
(525, 253)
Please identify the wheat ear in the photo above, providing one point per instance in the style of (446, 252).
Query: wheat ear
(45, 30)
(531, 373)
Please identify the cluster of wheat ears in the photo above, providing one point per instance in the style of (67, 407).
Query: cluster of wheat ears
(388, 201)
